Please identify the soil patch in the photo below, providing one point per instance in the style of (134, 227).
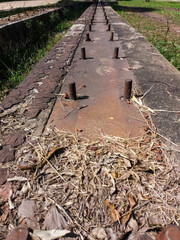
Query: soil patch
(158, 17)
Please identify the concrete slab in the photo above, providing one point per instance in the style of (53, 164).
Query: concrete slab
(99, 108)
(154, 74)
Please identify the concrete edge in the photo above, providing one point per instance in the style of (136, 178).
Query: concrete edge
(154, 75)
(32, 101)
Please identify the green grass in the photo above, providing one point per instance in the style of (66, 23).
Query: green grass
(18, 62)
(167, 43)
(161, 7)
(152, 4)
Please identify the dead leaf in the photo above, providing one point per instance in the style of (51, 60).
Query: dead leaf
(66, 96)
(142, 197)
(4, 193)
(99, 151)
(79, 130)
(53, 151)
(51, 234)
(92, 148)
(27, 211)
(125, 176)
(132, 226)
(113, 188)
(159, 158)
(115, 175)
(132, 203)
(111, 234)
(5, 212)
(99, 233)
(126, 218)
(154, 135)
(47, 158)
(156, 219)
(127, 163)
(54, 220)
(114, 213)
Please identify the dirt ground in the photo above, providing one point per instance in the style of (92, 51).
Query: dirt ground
(158, 17)
(22, 4)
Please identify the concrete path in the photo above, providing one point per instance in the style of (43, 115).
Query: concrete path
(23, 4)
(99, 108)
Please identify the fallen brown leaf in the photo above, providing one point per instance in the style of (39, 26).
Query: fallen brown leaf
(79, 130)
(5, 210)
(132, 203)
(114, 213)
(66, 96)
(92, 148)
(115, 175)
(53, 151)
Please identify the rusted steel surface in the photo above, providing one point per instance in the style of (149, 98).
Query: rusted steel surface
(127, 89)
(72, 91)
(99, 108)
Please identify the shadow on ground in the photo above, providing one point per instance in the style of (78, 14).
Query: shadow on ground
(132, 9)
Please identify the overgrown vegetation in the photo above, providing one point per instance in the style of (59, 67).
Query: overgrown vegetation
(159, 34)
(8, 13)
(19, 60)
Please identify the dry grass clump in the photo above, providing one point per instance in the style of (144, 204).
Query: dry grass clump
(121, 186)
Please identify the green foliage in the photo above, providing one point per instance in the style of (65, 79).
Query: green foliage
(19, 60)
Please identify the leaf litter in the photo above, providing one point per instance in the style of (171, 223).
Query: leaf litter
(111, 188)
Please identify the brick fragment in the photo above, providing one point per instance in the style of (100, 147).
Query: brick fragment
(4, 193)
(145, 236)
(19, 233)
(7, 104)
(169, 233)
(7, 154)
(32, 113)
(15, 139)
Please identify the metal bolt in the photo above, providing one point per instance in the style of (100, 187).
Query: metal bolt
(107, 21)
(89, 27)
(112, 36)
(87, 37)
(72, 91)
(116, 52)
(127, 89)
(83, 53)
(109, 27)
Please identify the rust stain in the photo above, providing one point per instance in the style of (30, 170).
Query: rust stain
(99, 109)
